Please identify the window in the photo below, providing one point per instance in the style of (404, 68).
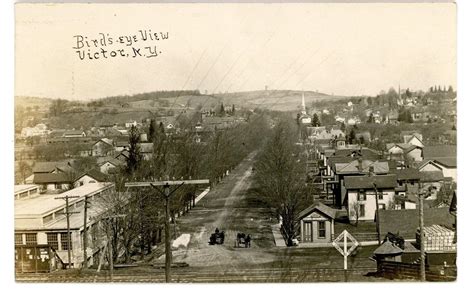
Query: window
(321, 229)
(361, 195)
(47, 218)
(23, 194)
(380, 194)
(18, 239)
(64, 244)
(52, 239)
(31, 239)
(361, 210)
(382, 206)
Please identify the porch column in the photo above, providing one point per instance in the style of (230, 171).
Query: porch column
(332, 230)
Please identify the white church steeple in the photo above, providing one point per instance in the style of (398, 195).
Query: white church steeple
(303, 106)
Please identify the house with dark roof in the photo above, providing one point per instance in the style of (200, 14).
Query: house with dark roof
(91, 176)
(406, 222)
(53, 181)
(316, 224)
(445, 157)
(361, 193)
(405, 152)
(110, 165)
(103, 147)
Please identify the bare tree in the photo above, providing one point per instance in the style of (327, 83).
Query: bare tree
(281, 177)
(355, 212)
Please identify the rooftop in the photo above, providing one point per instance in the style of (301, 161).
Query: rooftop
(24, 187)
(366, 182)
(406, 221)
(46, 203)
(319, 207)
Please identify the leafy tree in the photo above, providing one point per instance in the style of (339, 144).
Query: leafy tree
(450, 89)
(371, 118)
(222, 110)
(351, 138)
(315, 121)
(343, 127)
(298, 116)
(233, 110)
(152, 130)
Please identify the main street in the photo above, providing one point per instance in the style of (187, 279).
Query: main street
(232, 206)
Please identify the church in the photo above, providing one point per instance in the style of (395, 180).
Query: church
(304, 118)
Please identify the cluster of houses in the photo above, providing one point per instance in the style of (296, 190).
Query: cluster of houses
(353, 180)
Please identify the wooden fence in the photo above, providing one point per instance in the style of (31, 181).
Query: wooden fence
(398, 270)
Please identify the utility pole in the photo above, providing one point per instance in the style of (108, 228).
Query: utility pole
(422, 238)
(376, 194)
(66, 198)
(84, 233)
(377, 212)
(167, 195)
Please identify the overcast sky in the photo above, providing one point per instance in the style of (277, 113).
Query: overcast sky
(344, 49)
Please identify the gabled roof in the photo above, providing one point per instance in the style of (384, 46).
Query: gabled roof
(354, 167)
(73, 132)
(406, 221)
(107, 141)
(431, 176)
(437, 151)
(48, 167)
(388, 248)
(43, 178)
(426, 162)
(95, 174)
(407, 174)
(320, 208)
(446, 161)
(366, 182)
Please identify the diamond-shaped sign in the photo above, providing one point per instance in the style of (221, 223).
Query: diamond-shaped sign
(344, 252)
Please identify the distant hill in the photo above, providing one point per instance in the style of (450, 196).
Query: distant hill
(280, 100)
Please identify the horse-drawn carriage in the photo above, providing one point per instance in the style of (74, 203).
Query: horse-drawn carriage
(217, 238)
(242, 240)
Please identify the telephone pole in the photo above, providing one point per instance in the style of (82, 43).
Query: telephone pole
(422, 238)
(66, 198)
(84, 232)
(167, 195)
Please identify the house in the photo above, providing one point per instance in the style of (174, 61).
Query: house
(41, 220)
(103, 147)
(316, 224)
(53, 181)
(444, 156)
(91, 176)
(121, 145)
(406, 222)
(404, 152)
(414, 139)
(408, 180)
(405, 136)
(431, 183)
(361, 195)
(110, 165)
(74, 134)
(146, 150)
(38, 130)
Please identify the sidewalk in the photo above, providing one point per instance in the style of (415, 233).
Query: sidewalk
(279, 241)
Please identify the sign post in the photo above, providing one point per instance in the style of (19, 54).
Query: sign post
(344, 252)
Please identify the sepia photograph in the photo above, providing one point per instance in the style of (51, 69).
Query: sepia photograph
(235, 142)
